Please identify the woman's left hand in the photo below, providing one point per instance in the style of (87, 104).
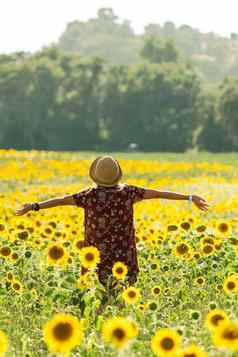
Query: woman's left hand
(24, 209)
(200, 202)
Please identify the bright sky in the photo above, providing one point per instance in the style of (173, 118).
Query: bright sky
(29, 24)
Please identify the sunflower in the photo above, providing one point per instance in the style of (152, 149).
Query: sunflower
(134, 327)
(141, 307)
(207, 249)
(9, 276)
(196, 255)
(233, 273)
(226, 335)
(218, 246)
(57, 255)
(233, 241)
(166, 342)
(119, 270)
(82, 282)
(62, 333)
(86, 280)
(14, 256)
(79, 244)
(181, 250)
(5, 251)
(3, 343)
(223, 228)
(230, 285)
(152, 241)
(214, 318)
(201, 228)
(118, 331)
(208, 240)
(195, 315)
(154, 265)
(192, 351)
(200, 280)
(131, 295)
(156, 290)
(152, 305)
(2, 227)
(48, 230)
(185, 225)
(89, 257)
(172, 227)
(17, 286)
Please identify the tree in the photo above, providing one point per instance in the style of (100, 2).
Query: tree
(158, 51)
(212, 136)
(102, 37)
(228, 110)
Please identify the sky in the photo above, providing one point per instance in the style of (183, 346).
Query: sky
(28, 25)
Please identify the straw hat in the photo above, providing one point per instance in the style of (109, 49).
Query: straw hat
(105, 171)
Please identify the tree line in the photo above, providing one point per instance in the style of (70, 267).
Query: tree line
(108, 37)
(56, 101)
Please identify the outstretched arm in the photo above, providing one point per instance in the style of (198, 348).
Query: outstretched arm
(58, 201)
(197, 200)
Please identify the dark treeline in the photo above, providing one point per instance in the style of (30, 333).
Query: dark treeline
(54, 100)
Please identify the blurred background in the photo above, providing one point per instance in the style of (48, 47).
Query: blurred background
(112, 76)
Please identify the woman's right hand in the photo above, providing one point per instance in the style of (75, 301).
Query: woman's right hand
(24, 209)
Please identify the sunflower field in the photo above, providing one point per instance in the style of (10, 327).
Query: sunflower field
(185, 302)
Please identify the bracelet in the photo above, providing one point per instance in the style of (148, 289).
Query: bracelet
(190, 198)
(35, 206)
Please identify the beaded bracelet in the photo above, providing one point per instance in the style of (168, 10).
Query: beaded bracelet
(35, 206)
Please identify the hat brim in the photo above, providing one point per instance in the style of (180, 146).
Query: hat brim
(97, 180)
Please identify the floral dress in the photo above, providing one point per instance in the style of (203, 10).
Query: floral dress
(109, 226)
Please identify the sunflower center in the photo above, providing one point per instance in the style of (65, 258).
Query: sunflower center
(182, 248)
(209, 240)
(5, 251)
(79, 244)
(119, 333)
(231, 285)
(156, 290)
(201, 228)
(56, 252)
(190, 355)
(223, 227)
(48, 230)
(2, 227)
(230, 334)
(216, 318)
(16, 286)
(172, 228)
(185, 225)
(167, 343)
(63, 331)
(153, 306)
(208, 248)
(89, 257)
(200, 280)
(132, 294)
(119, 270)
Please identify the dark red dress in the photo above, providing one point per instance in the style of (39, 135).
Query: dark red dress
(109, 225)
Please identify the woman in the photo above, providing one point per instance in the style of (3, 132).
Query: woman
(109, 215)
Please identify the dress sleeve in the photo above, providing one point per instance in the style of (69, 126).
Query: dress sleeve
(81, 197)
(136, 193)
